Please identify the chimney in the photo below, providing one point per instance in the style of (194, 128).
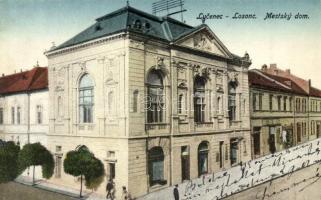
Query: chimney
(273, 66)
(288, 71)
(20, 70)
(2, 74)
(264, 68)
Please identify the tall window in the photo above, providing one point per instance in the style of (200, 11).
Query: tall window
(260, 101)
(304, 105)
(1, 115)
(219, 105)
(232, 101)
(291, 104)
(284, 103)
(271, 101)
(18, 115)
(156, 166)
(203, 158)
(180, 103)
(254, 101)
(86, 99)
(199, 99)
(135, 101)
(298, 132)
(12, 115)
(39, 114)
(155, 98)
(298, 105)
(279, 103)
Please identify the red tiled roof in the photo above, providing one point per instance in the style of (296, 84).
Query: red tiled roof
(267, 81)
(315, 92)
(295, 87)
(258, 80)
(35, 79)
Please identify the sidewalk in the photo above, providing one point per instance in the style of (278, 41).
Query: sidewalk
(43, 184)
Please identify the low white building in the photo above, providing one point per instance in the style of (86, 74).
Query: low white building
(24, 106)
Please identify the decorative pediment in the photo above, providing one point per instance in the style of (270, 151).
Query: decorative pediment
(205, 40)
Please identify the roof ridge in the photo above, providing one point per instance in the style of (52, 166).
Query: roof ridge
(271, 79)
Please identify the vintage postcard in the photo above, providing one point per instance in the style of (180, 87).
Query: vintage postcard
(160, 99)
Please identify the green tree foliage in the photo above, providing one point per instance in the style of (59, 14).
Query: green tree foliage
(9, 169)
(36, 154)
(81, 162)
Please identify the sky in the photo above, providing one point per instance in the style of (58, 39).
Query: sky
(29, 27)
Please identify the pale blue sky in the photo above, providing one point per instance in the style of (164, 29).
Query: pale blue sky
(28, 27)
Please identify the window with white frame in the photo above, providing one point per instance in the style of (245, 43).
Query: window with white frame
(199, 99)
(12, 115)
(18, 115)
(39, 114)
(155, 98)
(86, 99)
(1, 115)
(135, 101)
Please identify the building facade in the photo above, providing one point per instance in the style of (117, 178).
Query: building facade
(285, 110)
(24, 108)
(157, 100)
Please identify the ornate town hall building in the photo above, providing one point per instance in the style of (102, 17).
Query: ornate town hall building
(157, 100)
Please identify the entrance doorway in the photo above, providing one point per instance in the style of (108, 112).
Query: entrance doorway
(233, 149)
(272, 146)
(221, 154)
(318, 130)
(185, 163)
(257, 141)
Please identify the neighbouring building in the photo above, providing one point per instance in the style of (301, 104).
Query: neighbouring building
(24, 107)
(285, 110)
(157, 100)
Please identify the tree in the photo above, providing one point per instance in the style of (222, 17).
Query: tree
(9, 169)
(36, 154)
(81, 162)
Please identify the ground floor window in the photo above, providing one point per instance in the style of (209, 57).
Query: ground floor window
(156, 166)
(233, 149)
(203, 158)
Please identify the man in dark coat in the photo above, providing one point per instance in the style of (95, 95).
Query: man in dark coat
(109, 188)
(176, 193)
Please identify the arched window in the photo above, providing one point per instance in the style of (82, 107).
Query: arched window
(110, 102)
(199, 99)
(86, 99)
(180, 103)
(156, 166)
(135, 101)
(155, 99)
(232, 101)
(219, 105)
(203, 158)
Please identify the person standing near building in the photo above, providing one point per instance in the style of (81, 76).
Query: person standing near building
(176, 192)
(125, 195)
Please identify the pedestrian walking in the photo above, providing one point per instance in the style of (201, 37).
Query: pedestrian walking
(109, 189)
(176, 192)
(126, 195)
